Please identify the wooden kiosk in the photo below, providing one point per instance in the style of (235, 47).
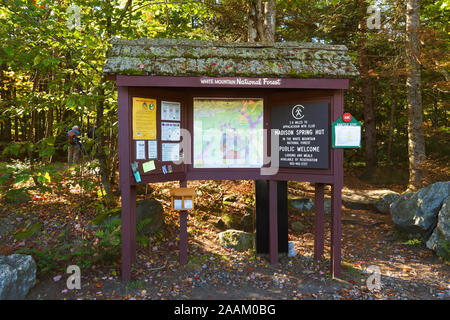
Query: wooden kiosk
(199, 110)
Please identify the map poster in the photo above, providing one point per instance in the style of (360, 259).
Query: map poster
(144, 119)
(170, 111)
(228, 133)
(303, 134)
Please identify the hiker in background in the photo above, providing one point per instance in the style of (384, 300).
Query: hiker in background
(74, 150)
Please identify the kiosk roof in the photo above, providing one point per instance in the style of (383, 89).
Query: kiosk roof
(183, 57)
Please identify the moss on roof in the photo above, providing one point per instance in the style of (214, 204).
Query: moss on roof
(183, 57)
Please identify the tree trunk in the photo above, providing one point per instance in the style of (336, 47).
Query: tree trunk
(261, 21)
(269, 20)
(416, 143)
(100, 141)
(369, 112)
(391, 123)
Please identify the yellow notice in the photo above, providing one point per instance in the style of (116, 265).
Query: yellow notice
(144, 119)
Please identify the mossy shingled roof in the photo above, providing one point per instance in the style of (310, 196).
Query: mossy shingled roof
(183, 57)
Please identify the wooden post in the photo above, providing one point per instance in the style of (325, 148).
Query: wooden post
(336, 193)
(273, 224)
(183, 231)
(319, 218)
(128, 192)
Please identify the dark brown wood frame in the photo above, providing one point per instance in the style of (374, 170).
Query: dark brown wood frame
(183, 90)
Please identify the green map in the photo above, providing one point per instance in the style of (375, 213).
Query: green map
(228, 133)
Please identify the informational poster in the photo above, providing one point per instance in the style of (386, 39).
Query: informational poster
(346, 132)
(170, 151)
(152, 149)
(303, 134)
(170, 111)
(188, 204)
(148, 166)
(170, 131)
(347, 136)
(228, 133)
(144, 119)
(140, 150)
(178, 204)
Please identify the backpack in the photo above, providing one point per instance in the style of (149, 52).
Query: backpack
(72, 136)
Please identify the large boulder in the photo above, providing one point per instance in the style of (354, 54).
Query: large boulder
(303, 204)
(246, 222)
(149, 210)
(153, 213)
(297, 226)
(383, 205)
(417, 212)
(17, 196)
(440, 238)
(307, 204)
(17, 276)
(235, 239)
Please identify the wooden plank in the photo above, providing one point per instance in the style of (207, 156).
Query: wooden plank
(336, 193)
(319, 221)
(128, 193)
(273, 223)
(183, 232)
(196, 82)
(182, 192)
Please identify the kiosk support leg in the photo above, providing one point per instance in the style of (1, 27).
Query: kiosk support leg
(128, 192)
(183, 232)
(183, 237)
(319, 221)
(336, 233)
(273, 223)
(128, 230)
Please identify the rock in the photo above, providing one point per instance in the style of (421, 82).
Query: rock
(220, 224)
(146, 209)
(301, 203)
(246, 223)
(307, 204)
(417, 212)
(439, 241)
(17, 276)
(238, 240)
(291, 250)
(17, 196)
(5, 226)
(297, 226)
(384, 204)
(152, 211)
(229, 199)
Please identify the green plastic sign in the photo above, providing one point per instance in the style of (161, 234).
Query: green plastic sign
(346, 134)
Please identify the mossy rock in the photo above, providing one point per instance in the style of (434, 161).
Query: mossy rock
(236, 239)
(149, 217)
(17, 196)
